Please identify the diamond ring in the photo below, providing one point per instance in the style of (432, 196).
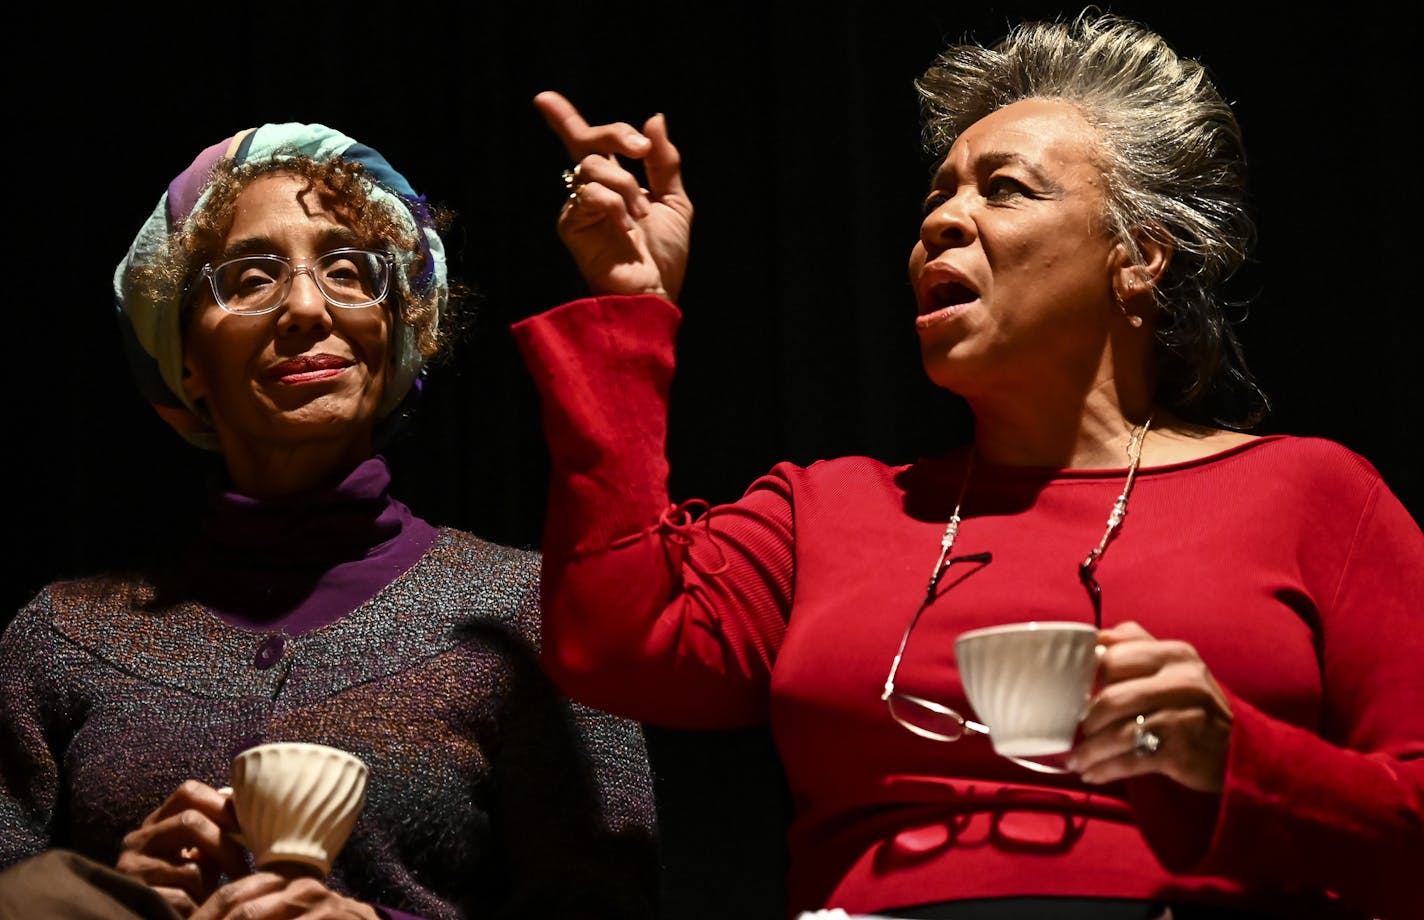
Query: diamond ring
(1145, 742)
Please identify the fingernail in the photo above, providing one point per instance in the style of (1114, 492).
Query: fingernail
(635, 140)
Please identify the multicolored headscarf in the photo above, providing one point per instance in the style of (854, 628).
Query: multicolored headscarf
(151, 323)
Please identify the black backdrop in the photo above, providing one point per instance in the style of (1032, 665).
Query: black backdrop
(798, 127)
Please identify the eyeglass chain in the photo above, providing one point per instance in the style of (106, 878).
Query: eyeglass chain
(1119, 510)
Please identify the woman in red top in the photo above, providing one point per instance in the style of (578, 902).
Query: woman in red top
(1253, 748)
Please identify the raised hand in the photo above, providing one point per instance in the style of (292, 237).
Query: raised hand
(625, 238)
(1181, 704)
(183, 847)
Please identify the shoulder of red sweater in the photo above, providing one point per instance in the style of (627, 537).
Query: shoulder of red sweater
(856, 462)
(1313, 470)
(1317, 456)
(847, 468)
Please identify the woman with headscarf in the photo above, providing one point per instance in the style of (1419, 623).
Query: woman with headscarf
(1255, 746)
(279, 307)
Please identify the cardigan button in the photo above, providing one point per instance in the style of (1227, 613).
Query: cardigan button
(269, 652)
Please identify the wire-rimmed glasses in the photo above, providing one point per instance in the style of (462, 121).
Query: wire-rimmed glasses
(938, 722)
(256, 284)
(927, 718)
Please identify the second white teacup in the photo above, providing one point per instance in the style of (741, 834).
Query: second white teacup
(1029, 683)
(297, 803)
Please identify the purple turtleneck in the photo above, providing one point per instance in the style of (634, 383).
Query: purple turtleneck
(296, 564)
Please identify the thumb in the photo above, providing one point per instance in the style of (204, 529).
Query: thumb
(663, 163)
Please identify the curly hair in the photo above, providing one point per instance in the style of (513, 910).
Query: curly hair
(343, 185)
(1174, 167)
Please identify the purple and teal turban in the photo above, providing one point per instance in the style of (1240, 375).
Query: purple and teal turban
(151, 322)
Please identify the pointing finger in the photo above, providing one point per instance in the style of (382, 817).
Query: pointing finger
(580, 138)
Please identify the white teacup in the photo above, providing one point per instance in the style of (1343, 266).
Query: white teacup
(1029, 683)
(296, 803)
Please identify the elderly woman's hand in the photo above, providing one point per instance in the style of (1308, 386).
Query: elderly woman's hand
(269, 896)
(1167, 683)
(184, 845)
(625, 239)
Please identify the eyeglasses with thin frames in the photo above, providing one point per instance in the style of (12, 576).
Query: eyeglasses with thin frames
(936, 721)
(253, 285)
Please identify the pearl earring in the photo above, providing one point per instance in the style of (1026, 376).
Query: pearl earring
(1133, 319)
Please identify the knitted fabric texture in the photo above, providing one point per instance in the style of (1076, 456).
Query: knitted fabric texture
(490, 794)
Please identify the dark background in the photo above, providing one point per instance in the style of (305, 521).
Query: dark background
(798, 126)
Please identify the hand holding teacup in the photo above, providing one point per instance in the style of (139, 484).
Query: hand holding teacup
(1156, 708)
(184, 846)
(269, 894)
(1167, 683)
(295, 804)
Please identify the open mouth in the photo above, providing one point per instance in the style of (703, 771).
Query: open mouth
(950, 294)
(941, 297)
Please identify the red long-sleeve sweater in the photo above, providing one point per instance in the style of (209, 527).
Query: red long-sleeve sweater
(1287, 563)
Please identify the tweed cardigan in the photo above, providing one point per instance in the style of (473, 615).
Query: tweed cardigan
(490, 795)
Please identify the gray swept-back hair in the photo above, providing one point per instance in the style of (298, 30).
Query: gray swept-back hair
(1171, 153)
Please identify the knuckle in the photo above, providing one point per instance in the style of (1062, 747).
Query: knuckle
(224, 900)
(179, 900)
(188, 790)
(306, 887)
(191, 821)
(1121, 659)
(1107, 698)
(1179, 650)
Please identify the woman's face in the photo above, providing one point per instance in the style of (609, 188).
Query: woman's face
(305, 371)
(1012, 272)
